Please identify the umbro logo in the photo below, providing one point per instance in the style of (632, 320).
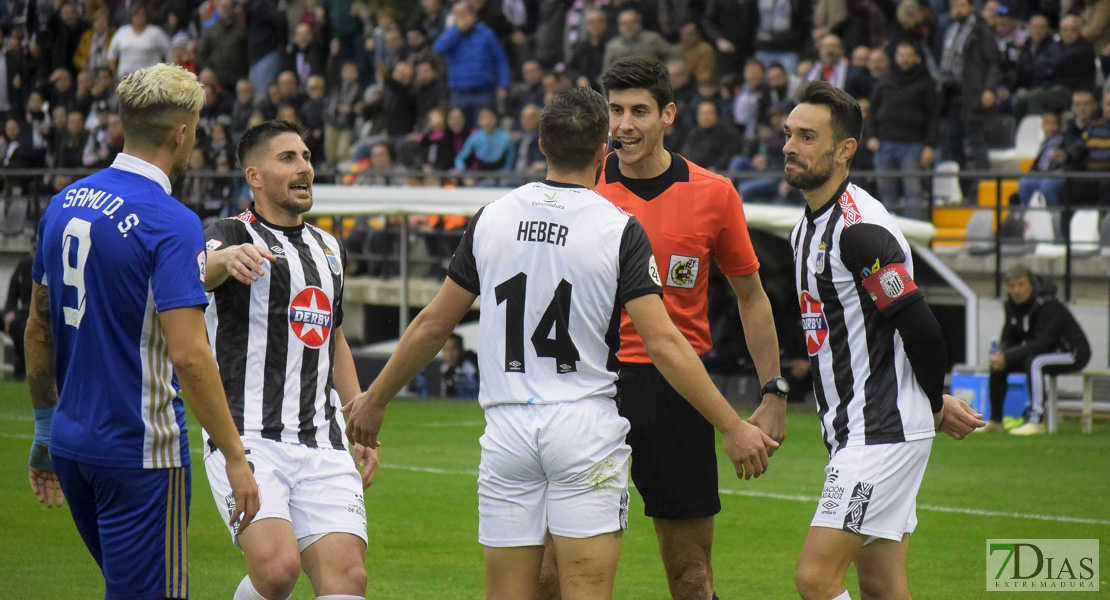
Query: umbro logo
(829, 505)
(279, 251)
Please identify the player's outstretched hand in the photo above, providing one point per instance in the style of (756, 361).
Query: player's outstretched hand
(364, 420)
(770, 417)
(46, 487)
(748, 448)
(247, 262)
(956, 418)
(366, 461)
(245, 490)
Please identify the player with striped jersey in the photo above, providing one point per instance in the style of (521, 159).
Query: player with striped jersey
(554, 262)
(116, 323)
(275, 321)
(877, 357)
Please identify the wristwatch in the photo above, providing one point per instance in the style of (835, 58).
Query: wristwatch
(777, 385)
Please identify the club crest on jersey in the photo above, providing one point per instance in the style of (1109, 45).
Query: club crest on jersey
(892, 284)
(333, 261)
(819, 261)
(814, 324)
(683, 271)
(310, 316)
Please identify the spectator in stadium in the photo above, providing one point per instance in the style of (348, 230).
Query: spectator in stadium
(782, 84)
(1010, 35)
(61, 93)
(752, 99)
(521, 499)
(835, 68)
(915, 24)
(458, 374)
(587, 56)
(674, 463)
(478, 73)
(489, 148)
(1095, 21)
(1036, 87)
(879, 442)
(435, 146)
(241, 110)
(784, 31)
(299, 526)
(634, 40)
(731, 28)
(217, 103)
(765, 155)
(712, 143)
(289, 90)
(311, 116)
(529, 90)
(418, 47)
(267, 32)
(92, 50)
(1050, 158)
(16, 310)
(697, 53)
(529, 156)
(383, 168)
(393, 111)
(901, 143)
(429, 90)
(1039, 337)
(1092, 147)
(137, 45)
(13, 73)
(864, 24)
(431, 16)
(341, 114)
(968, 77)
(223, 48)
(104, 89)
(64, 28)
(344, 28)
(304, 55)
(69, 145)
(105, 143)
(94, 389)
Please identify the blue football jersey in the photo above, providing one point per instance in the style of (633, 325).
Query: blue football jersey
(115, 249)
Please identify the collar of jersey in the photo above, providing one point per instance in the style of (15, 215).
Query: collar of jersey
(827, 206)
(138, 166)
(560, 184)
(283, 228)
(648, 189)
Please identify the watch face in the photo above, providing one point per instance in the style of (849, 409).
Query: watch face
(782, 385)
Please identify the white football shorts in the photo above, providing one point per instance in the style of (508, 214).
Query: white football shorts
(318, 490)
(872, 490)
(561, 467)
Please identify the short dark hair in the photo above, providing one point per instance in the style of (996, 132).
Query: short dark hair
(845, 115)
(640, 73)
(261, 134)
(573, 125)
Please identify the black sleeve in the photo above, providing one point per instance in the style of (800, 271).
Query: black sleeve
(875, 259)
(464, 269)
(639, 275)
(226, 232)
(923, 339)
(873, 256)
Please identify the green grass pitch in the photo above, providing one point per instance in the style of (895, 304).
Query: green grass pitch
(422, 514)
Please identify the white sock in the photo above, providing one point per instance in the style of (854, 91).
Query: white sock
(246, 591)
(843, 596)
(340, 597)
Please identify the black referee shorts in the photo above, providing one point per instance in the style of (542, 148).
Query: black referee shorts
(674, 459)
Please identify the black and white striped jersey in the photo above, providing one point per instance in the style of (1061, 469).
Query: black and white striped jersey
(273, 339)
(851, 264)
(553, 264)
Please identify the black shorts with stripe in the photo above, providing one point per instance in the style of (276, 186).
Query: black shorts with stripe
(674, 458)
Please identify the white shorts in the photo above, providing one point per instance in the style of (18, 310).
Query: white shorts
(872, 490)
(318, 490)
(560, 467)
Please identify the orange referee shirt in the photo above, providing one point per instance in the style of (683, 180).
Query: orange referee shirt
(690, 215)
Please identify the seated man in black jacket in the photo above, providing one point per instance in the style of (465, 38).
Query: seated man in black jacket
(1039, 337)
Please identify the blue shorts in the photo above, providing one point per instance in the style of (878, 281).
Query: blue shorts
(134, 523)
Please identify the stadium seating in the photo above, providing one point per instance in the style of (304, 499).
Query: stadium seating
(1027, 141)
(946, 189)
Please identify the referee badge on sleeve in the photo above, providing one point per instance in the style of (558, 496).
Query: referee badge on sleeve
(683, 271)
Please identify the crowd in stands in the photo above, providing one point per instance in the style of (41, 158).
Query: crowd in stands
(429, 92)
